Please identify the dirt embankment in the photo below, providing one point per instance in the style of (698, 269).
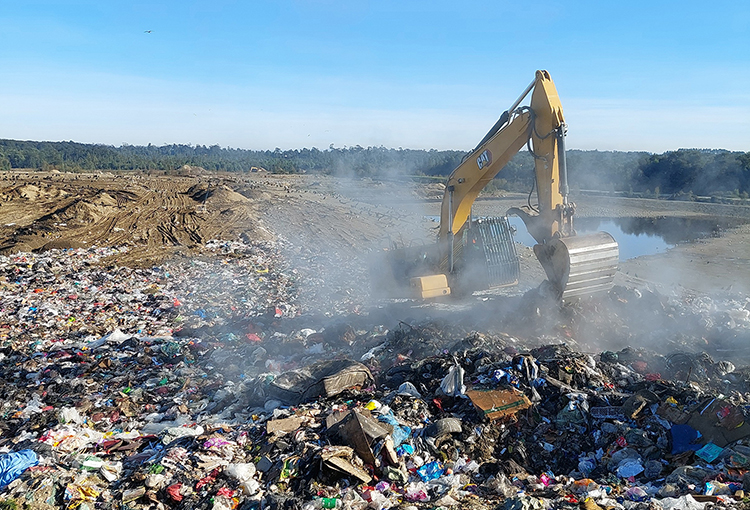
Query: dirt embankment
(155, 217)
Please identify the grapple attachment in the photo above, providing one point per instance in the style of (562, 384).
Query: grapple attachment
(580, 265)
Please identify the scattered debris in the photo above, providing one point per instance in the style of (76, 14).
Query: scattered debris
(161, 388)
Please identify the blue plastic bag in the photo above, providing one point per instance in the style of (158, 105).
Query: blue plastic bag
(13, 464)
(684, 438)
(431, 471)
(400, 432)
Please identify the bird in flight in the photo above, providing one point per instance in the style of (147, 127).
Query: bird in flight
(147, 31)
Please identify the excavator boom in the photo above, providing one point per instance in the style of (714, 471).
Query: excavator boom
(540, 124)
(477, 170)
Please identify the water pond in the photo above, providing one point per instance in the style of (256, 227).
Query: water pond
(641, 236)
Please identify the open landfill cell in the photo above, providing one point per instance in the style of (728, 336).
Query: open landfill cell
(212, 342)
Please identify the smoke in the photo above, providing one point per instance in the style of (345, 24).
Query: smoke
(330, 227)
(681, 299)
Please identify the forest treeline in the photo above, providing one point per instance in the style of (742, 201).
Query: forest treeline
(681, 172)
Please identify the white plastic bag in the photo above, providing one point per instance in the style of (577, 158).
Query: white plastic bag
(453, 383)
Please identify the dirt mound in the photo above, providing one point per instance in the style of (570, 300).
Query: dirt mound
(31, 192)
(26, 191)
(224, 194)
(81, 212)
(105, 199)
(203, 192)
(155, 217)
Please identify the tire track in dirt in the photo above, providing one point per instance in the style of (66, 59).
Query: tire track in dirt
(155, 217)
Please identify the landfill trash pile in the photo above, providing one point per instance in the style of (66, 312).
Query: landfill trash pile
(331, 281)
(206, 384)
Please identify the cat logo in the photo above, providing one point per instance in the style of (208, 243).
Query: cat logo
(484, 159)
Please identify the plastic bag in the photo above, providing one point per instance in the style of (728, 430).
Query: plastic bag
(408, 388)
(400, 432)
(241, 471)
(431, 471)
(453, 383)
(12, 465)
(686, 502)
(630, 467)
(70, 415)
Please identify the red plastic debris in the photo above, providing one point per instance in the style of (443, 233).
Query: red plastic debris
(211, 478)
(173, 491)
(438, 403)
(226, 492)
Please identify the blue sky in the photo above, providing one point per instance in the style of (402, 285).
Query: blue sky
(654, 76)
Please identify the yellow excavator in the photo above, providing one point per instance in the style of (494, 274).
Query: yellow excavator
(473, 254)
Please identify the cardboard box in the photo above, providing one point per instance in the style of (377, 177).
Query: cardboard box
(498, 403)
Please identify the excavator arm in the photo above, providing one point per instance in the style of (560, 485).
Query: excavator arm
(477, 170)
(543, 123)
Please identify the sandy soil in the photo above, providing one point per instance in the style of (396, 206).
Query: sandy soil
(339, 220)
(713, 265)
(156, 217)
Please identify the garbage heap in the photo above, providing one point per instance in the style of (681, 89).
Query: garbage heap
(154, 388)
